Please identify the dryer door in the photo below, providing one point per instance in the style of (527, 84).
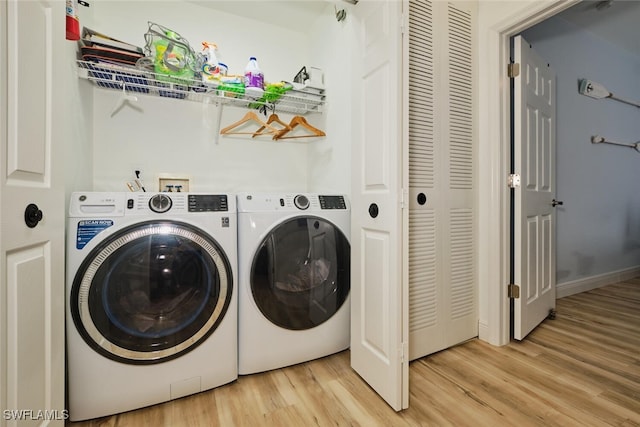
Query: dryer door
(151, 292)
(300, 275)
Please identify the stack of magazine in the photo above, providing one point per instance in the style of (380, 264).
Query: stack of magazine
(98, 47)
(112, 63)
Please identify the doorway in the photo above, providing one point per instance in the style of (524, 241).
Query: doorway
(593, 240)
(497, 26)
(598, 229)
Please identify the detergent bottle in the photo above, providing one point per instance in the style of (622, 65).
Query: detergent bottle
(211, 67)
(253, 79)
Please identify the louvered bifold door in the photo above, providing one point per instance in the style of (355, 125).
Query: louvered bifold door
(442, 221)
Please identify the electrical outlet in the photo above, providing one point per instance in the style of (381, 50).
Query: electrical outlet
(174, 184)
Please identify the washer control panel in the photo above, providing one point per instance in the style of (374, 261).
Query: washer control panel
(208, 203)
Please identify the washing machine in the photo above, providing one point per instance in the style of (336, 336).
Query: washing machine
(152, 300)
(294, 279)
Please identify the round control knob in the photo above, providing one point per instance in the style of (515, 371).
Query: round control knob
(160, 203)
(301, 202)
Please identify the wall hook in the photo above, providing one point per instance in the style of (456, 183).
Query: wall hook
(597, 139)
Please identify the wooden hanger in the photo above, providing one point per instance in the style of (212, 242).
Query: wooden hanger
(298, 121)
(272, 118)
(249, 117)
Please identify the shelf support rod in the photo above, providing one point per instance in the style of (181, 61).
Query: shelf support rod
(216, 135)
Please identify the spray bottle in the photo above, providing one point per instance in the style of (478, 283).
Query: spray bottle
(210, 68)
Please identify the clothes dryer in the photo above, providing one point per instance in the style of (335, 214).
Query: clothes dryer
(152, 301)
(294, 279)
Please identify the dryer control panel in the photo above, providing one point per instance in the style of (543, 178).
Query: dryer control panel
(292, 202)
(332, 202)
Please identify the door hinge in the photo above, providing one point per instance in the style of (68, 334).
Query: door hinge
(404, 197)
(404, 353)
(513, 291)
(513, 181)
(513, 70)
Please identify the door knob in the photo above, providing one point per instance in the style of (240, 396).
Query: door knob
(373, 210)
(32, 215)
(555, 203)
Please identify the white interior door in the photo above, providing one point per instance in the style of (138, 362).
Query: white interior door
(379, 287)
(32, 369)
(534, 215)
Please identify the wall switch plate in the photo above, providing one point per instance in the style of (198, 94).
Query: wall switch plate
(173, 184)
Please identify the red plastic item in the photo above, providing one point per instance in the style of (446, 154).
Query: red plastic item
(73, 22)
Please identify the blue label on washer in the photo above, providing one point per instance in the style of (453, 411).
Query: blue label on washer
(88, 229)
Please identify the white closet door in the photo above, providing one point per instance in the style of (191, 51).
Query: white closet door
(31, 258)
(442, 220)
(379, 321)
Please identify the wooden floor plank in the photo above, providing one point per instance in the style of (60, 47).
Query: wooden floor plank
(525, 387)
(581, 369)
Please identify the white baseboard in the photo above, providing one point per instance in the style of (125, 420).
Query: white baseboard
(483, 331)
(593, 282)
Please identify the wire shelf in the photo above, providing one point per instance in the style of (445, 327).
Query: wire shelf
(114, 76)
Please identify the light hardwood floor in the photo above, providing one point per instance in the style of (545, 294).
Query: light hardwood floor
(581, 369)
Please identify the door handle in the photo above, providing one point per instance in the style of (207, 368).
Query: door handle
(555, 203)
(373, 210)
(32, 215)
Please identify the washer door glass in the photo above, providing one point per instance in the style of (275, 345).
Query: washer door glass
(300, 275)
(151, 292)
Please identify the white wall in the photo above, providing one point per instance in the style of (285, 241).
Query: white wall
(598, 228)
(176, 137)
(330, 161)
(78, 106)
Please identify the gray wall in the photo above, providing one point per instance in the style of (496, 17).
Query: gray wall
(598, 228)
